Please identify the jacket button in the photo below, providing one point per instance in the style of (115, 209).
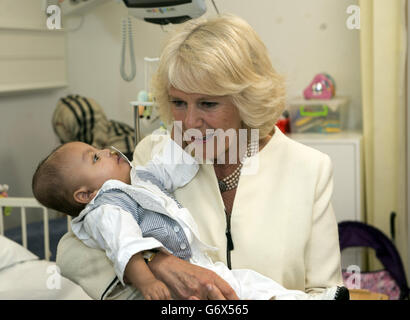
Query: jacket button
(182, 246)
(176, 229)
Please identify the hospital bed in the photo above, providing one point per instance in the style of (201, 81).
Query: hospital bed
(23, 274)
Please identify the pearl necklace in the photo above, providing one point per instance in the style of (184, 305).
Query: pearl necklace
(231, 182)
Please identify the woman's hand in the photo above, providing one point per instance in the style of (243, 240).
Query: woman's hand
(188, 281)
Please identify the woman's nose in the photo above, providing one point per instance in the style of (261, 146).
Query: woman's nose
(193, 118)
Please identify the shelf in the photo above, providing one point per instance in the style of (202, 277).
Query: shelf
(142, 103)
(33, 59)
(9, 89)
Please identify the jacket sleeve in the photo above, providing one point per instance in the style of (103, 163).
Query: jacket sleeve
(323, 264)
(118, 234)
(172, 166)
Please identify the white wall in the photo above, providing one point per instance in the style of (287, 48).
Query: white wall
(94, 53)
(304, 37)
(25, 118)
(26, 133)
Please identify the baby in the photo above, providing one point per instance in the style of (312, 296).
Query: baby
(129, 212)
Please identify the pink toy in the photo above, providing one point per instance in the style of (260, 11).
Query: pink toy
(321, 87)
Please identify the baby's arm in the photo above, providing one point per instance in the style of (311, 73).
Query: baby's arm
(141, 277)
(115, 230)
(172, 166)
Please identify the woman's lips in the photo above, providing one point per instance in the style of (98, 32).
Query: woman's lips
(202, 139)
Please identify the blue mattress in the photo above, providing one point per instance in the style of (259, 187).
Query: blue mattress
(35, 236)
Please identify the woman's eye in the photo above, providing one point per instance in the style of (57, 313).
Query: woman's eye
(178, 103)
(96, 158)
(208, 104)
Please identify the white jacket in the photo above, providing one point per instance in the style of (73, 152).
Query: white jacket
(283, 225)
(282, 222)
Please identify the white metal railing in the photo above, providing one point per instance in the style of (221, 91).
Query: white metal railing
(24, 203)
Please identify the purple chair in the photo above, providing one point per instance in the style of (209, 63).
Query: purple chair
(359, 234)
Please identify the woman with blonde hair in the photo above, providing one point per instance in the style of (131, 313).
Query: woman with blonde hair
(267, 208)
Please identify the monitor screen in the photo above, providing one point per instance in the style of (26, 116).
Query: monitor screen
(153, 3)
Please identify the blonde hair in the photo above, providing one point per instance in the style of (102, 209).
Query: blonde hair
(222, 56)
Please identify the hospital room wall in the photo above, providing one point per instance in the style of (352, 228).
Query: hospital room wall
(303, 38)
(25, 128)
(94, 57)
(26, 136)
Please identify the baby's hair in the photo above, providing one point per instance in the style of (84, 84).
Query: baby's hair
(51, 187)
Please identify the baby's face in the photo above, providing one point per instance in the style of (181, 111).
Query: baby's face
(93, 167)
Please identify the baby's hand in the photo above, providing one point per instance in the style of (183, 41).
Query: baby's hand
(155, 290)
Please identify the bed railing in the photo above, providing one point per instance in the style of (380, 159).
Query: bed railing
(24, 203)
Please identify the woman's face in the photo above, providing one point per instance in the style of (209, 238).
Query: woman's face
(206, 114)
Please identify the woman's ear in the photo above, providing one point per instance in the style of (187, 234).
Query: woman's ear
(83, 195)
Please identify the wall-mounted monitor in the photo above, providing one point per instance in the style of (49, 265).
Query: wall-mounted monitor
(166, 11)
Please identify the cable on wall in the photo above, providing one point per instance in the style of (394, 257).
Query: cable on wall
(131, 51)
(216, 8)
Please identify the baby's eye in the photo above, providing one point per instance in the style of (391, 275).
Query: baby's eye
(96, 157)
